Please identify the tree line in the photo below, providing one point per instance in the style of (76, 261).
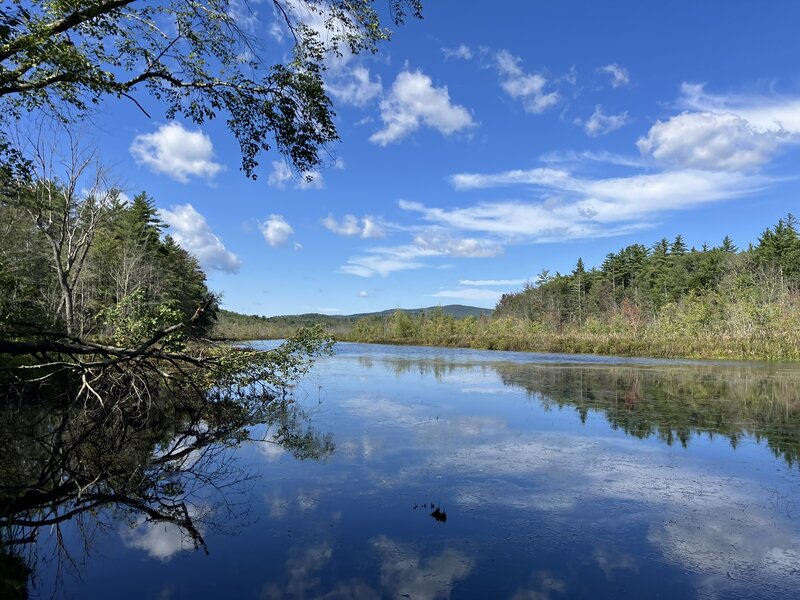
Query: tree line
(91, 264)
(661, 300)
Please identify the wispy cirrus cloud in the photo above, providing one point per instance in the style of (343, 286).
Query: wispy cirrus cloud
(490, 282)
(569, 206)
(462, 51)
(426, 245)
(620, 76)
(600, 123)
(482, 296)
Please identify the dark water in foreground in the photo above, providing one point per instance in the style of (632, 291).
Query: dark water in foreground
(470, 474)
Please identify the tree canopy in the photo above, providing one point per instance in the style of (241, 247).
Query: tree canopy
(198, 59)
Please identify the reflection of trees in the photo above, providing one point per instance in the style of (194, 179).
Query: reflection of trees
(165, 460)
(435, 366)
(673, 403)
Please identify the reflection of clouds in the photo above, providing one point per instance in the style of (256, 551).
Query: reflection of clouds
(713, 541)
(405, 573)
(712, 518)
(492, 391)
(382, 410)
(302, 573)
(270, 446)
(543, 586)
(610, 560)
(730, 526)
(159, 539)
(279, 507)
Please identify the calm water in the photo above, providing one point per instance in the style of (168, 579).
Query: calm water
(470, 474)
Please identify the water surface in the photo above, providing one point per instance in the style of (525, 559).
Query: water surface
(462, 474)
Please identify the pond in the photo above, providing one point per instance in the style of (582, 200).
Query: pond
(441, 473)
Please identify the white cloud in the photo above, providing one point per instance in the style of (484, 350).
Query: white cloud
(575, 207)
(539, 176)
(191, 231)
(389, 259)
(775, 114)
(176, 152)
(413, 102)
(350, 225)
(354, 86)
(601, 124)
(619, 75)
(281, 175)
(378, 264)
(709, 141)
(529, 88)
(437, 244)
(462, 51)
(471, 295)
(723, 133)
(276, 230)
(311, 180)
(298, 246)
(495, 282)
(363, 294)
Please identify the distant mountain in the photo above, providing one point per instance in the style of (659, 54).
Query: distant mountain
(459, 311)
(232, 325)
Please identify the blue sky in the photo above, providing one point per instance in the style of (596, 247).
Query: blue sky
(486, 143)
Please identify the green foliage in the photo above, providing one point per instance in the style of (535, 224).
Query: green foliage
(66, 56)
(664, 301)
(132, 321)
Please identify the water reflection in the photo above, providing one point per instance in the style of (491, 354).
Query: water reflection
(461, 475)
(669, 403)
(167, 469)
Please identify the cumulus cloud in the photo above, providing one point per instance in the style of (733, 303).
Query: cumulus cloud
(727, 133)
(176, 152)
(276, 230)
(281, 174)
(354, 86)
(619, 75)
(413, 102)
(710, 141)
(462, 51)
(191, 231)
(529, 88)
(600, 124)
(351, 226)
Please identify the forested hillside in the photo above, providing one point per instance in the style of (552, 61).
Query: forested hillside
(234, 326)
(660, 300)
(93, 266)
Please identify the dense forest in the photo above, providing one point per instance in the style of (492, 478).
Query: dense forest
(660, 300)
(93, 266)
